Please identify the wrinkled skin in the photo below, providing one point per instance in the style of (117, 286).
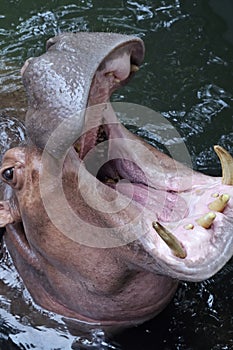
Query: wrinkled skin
(124, 283)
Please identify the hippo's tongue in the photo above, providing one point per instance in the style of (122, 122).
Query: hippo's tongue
(107, 153)
(174, 207)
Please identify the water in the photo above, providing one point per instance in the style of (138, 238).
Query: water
(186, 76)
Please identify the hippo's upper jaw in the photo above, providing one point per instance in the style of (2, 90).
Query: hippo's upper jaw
(84, 184)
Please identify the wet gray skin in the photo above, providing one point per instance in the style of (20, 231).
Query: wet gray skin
(175, 224)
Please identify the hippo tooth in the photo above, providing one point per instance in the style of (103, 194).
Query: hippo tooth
(109, 74)
(77, 147)
(226, 163)
(170, 240)
(189, 227)
(220, 203)
(206, 220)
(110, 181)
(134, 68)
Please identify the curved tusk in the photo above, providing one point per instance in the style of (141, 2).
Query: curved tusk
(170, 240)
(226, 163)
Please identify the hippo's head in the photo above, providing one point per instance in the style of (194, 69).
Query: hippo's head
(104, 246)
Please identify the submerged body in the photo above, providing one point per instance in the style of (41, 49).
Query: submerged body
(111, 259)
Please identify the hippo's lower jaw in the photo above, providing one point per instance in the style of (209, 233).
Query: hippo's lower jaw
(187, 217)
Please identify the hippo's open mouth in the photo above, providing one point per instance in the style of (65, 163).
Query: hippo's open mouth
(182, 218)
(188, 215)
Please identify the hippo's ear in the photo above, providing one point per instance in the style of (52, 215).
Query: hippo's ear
(5, 214)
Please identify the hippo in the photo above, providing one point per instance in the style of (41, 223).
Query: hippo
(107, 247)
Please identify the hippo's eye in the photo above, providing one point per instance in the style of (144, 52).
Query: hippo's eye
(8, 174)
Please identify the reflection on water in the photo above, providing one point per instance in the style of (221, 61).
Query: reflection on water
(186, 76)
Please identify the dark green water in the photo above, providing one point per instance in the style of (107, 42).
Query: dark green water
(187, 76)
